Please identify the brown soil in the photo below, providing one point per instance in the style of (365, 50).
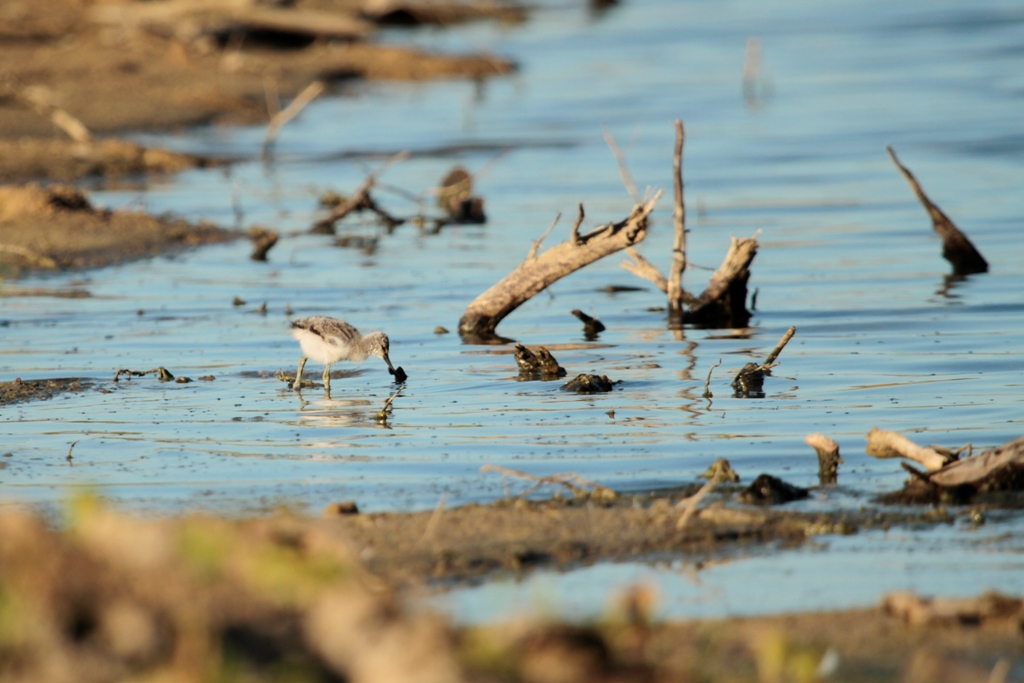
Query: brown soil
(199, 599)
(36, 389)
(57, 227)
(519, 535)
(140, 65)
(61, 159)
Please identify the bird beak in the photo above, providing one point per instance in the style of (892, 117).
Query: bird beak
(391, 368)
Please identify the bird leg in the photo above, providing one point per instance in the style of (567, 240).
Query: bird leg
(327, 379)
(298, 374)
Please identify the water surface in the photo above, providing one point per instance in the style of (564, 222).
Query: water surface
(848, 257)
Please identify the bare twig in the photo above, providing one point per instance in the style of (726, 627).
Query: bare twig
(956, 248)
(707, 382)
(675, 277)
(767, 365)
(42, 100)
(71, 448)
(382, 414)
(643, 268)
(692, 502)
(537, 242)
(574, 236)
(361, 199)
(435, 519)
(620, 159)
(294, 108)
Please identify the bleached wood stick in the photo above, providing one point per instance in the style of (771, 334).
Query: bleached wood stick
(886, 444)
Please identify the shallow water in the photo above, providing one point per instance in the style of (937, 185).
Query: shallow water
(831, 573)
(847, 256)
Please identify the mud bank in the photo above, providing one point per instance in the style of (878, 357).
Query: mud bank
(112, 598)
(475, 540)
(32, 390)
(71, 70)
(57, 228)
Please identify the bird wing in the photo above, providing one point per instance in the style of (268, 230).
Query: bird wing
(331, 330)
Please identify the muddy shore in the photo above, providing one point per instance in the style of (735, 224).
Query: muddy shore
(144, 66)
(73, 74)
(112, 597)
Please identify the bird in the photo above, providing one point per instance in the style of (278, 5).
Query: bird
(328, 340)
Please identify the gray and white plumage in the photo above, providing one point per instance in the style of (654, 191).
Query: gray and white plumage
(329, 340)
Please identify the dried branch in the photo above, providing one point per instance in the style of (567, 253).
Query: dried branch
(956, 248)
(675, 276)
(620, 159)
(767, 365)
(974, 469)
(707, 382)
(723, 302)
(886, 444)
(692, 502)
(643, 268)
(734, 272)
(537, 242)
(41, 99)
(749, 382)
(361, 199)
(294, 108)
(828, 457)
(534, 275)
(574, 236)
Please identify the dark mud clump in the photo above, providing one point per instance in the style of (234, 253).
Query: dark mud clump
(589, 384)
(537, 364)
(769, 490)
(56, 227)
(20, 390)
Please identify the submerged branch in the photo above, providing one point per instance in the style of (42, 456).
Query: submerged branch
(956, 248)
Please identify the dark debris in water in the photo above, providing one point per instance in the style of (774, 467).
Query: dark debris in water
(161, 373)
(592, 327)
(749, 383)
(769, 490)
(537, 364)
(589, 384)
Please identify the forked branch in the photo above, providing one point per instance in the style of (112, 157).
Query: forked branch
(540, 271)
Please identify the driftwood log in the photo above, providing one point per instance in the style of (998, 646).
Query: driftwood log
(723, 302)
(956, 248)
(883, 443)
(539, 271)
(949, 480)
